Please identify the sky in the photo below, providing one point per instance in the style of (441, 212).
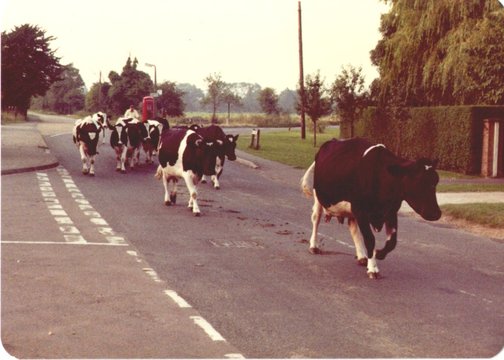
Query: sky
(254, 41)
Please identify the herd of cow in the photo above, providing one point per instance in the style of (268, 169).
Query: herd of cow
(352, 179)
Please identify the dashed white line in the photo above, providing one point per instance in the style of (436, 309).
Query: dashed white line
(177, 299)
(210, 331)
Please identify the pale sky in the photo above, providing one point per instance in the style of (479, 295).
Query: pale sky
(253, 41)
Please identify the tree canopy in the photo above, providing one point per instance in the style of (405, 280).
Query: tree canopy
(65, 96)
(29, 66)
(448, 52)
(268, 99)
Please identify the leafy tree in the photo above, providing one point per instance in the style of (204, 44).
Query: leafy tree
(170, 102)
(29, 66)
(65, 96)
(215, 93)
(97, 98)
(129, 88)
(448, 52)
(268, 100)
(287, 101)
(349, 95)
(230, 98)
(191, 96)
(317, 101)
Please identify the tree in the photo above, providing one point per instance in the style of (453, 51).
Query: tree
(129, 88)
(97, 98)
(317, 102)
(170, 101)
(287, 101)
(268, 100)
(349, 95)
(448, 52)
(230, 98)
(65, 96)
(191, 96)
(29, 66)
(215, 93)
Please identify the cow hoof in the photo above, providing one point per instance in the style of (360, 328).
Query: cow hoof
(91, 174)
(373, 275)
(123, 171)
(217, 188)
(85, 172)
(197, 214)
(362, 262)
(167, 203)
(173, 199)
(203, 181)
(314, 251)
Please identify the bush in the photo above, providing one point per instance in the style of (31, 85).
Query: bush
(451, 134)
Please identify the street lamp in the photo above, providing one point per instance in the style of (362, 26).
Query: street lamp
(155, 80)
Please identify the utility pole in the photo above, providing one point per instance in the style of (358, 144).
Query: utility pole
(301, 74)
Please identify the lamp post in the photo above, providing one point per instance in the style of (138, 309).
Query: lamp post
(155, 80)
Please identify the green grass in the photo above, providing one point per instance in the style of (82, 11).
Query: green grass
(444, 187)
(488, 214)
(287, 147)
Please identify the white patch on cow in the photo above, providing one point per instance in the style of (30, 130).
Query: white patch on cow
(428, 167)
(92, 136)
(372, 266)
(372, 147)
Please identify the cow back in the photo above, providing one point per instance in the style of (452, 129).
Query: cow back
(169, 145)
(89, 134)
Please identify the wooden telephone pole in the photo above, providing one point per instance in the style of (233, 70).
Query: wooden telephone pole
(301, 74)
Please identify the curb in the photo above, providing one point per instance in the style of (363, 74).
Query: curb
(31, 168)
(248, 163)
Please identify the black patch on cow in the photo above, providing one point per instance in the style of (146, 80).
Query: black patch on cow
(84, 132)
(170, 143)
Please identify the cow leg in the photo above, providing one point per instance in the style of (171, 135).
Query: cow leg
(391, 229)
(91, 167)
(189, 179)
(204, 179)
(218, 171)
(315, 218)
(122, 159)
(360, 249)
(166, 184)
(369, 241)
(84, 160)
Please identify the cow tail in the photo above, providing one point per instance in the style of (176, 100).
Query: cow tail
(159, 173)
(307, 181)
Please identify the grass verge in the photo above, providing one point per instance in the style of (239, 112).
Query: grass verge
(488, 214)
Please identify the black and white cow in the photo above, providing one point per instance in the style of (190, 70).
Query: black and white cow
(86, 134)
(226, 145)
(126, 139)
(184, 154)
(153, 130)
(366, 184)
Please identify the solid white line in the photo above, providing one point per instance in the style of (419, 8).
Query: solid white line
(202, 323)
(58, 243)
(178, 299)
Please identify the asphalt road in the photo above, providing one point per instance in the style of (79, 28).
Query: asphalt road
(245, 267)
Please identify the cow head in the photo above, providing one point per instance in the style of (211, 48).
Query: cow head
(419, 180)
(230, 146)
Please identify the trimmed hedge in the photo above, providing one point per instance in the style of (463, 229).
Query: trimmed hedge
(451, 134)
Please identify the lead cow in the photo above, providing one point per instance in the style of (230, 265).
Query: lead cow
(366, 184)
(184, 154)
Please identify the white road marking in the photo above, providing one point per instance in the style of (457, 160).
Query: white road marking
(59, 243)
(177, 299)
(205, 325)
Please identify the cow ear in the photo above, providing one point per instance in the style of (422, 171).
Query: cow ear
(236, 138)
